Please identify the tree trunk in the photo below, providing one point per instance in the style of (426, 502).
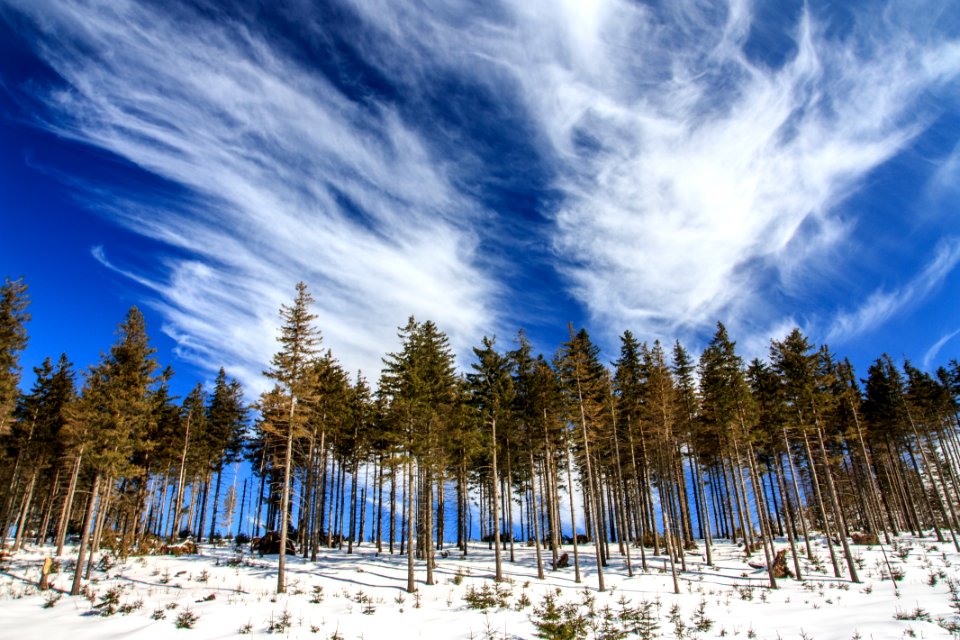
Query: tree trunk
(589, 492)
(181, 477)
(536, 521)
(411, 587)
(495, 483)
(284, 501)
(834, 498)
(107, 488)
(791, 529)
(819, 496)
(25, 510)
(216, 503)
(85, 534)
(573, 521)
(68, 503)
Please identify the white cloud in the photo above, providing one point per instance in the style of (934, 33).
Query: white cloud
(935, 349)
(883, 304)
(263, 143)
(698, 183)
(695, 197)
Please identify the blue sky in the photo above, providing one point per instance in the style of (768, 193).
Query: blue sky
(652, 166)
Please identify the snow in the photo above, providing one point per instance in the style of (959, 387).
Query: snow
(363, 595)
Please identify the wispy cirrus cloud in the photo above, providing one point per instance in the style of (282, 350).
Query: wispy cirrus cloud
(290, 179)
(884, 304)
(682, 174)
(935, 348)
(699, 181)
(710, 190)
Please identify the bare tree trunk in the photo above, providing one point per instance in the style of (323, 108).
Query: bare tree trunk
(621, 513)
(107, 488)
(536, 520)
(85, 535)
(589, 492)
(639, 493)
(667, 535)
(216, 503)
(48, 509)
(25, 510)
(823, 512)
(181, 476)
(841, 521)
(763, 515)
(509, 482)
(428, 522)
(705, 522)
(573, 522)
(68, 503)
(791, 529)
(411, 534)
(799, 499)
(498, 572)
(284, 501)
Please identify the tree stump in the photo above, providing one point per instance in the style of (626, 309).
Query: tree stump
(780, 568)
(45, 574)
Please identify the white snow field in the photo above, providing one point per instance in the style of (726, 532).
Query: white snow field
(223, 593)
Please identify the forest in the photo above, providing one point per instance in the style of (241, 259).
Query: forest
(654, 454)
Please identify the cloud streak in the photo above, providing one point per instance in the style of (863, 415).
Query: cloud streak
(694, 201)
(700, 182)
(935, 349)
(279, 163)
(683, 177)
(882, 304)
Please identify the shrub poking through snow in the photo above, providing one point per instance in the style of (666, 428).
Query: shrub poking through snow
(487, 597)
(556, 620)
(186, 619)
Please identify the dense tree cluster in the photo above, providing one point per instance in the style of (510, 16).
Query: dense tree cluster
(651, 456)
(116, 460)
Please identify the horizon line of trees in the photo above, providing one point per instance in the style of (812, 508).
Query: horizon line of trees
(651, 456)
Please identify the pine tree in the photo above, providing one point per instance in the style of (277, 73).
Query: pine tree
(13, 340)
(226, 426)
(115, 405)
(290, 368)
(38, 437)
(420, 385)
(798, 365)
(493, 395)
(586, 388)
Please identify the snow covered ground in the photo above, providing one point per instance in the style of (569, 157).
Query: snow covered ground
(222, 593)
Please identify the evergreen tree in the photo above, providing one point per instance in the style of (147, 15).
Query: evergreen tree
(586, 387)
(421, 385)
(38, 438)
(493, 395)
(116, 407)
(798, 365)
(13, 340)
(290, 368)
(226, 427)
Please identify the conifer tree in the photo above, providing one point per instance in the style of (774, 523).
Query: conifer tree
(226, 425)
(38, 436)
(116, 408)
(493, 395)
(298, 340)
(529, 409)
(586, 387)
(13, 340)
(629, 380)
(420, 384)
(192, 426)
(799, 367)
